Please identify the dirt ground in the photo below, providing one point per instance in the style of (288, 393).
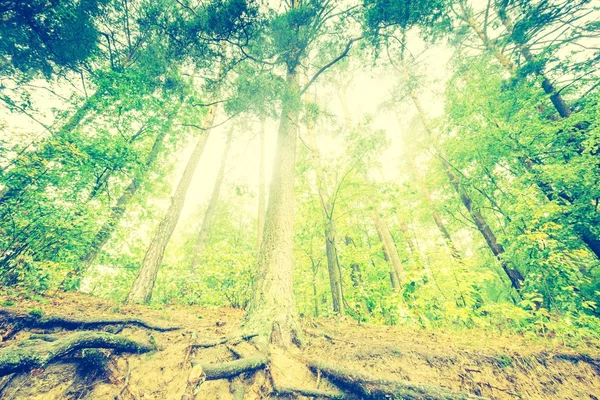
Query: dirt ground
(480, 363)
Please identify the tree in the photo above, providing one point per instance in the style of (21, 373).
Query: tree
(272, 309)
(209, 214)
(141, 290)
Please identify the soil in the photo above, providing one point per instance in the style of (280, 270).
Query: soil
(479, 363)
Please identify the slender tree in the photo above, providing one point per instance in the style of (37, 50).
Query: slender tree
(141, 291)
(261, 187)
(209, 214)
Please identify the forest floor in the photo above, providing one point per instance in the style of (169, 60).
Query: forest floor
(474, 362)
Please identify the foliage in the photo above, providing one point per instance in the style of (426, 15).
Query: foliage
(498, 179)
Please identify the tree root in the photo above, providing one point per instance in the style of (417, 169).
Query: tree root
(31, 354)
(307, 392)
(232, 340)
(21, 321)
(125, 383)
(369, 387)
(234, 368)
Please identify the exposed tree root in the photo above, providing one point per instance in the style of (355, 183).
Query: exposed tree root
(31, 354)
(234, 368)
(21, 320)
(369, 387)
(125, 383)
(232, 340)
(297, 391)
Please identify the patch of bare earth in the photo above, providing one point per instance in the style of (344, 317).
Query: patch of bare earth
(203, 357)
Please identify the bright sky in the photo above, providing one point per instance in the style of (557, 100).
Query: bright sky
(368, 90)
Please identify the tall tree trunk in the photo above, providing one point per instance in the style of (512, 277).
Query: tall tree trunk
(272, 308)
(118, 210)
(556, 98)
(261, 188)
(141, 291)
(209, 214)
(357, 281)
(412, 247)
(333, 267)
(315, 292)
(434, 214)
(335, 277)
(513, 274)
(397, 274)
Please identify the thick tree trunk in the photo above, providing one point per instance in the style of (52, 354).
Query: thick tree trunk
(141, 291)
(391, 252)
(272, 309)
(118, 210)
(209, 215)
(261, 188)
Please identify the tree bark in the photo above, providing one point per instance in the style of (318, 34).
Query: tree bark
(272, 309)
(261, 188)
(397, 273)
(38, 354)
(209, 214)
(333, 267)
(514, 275)
(141, 291)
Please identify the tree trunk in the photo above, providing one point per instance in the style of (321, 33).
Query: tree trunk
(356, 276)
(261, 188)
(141, 291)
(315, 293)
(555, 97)
(335, 278)
(409, 240)
(436, 217)
(514, 275)
(333, 267)
(209, 215)
(118, 210)
(390, 251)
(272, 309)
